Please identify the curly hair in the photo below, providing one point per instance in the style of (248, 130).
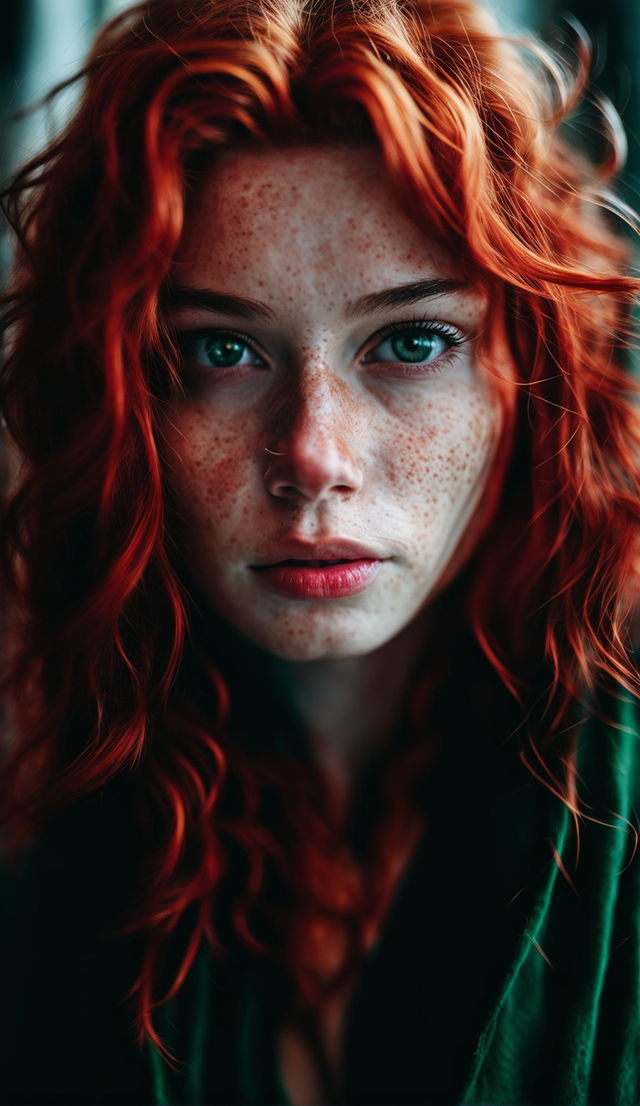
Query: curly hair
(109, 670)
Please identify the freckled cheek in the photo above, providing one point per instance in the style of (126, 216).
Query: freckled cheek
(469, 444)
(209, 473)
(446, 446)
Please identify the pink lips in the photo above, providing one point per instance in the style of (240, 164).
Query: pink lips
(327, 571)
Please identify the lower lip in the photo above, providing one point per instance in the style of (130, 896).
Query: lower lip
(330, 582)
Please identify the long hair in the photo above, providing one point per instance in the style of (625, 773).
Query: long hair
(106, 653)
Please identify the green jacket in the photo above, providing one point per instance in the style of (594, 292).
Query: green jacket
(494, 979)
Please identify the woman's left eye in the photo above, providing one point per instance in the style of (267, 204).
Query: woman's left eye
(414, 344)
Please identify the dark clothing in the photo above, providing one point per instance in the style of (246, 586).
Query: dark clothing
(493, 980)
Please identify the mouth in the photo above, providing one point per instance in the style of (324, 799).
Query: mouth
(328, 572)
(314, 562)
(296, 552)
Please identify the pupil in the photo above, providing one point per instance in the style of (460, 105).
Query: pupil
(224, 352)
(412, 347)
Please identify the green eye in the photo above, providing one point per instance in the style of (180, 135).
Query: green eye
(221, 352)
(216, 349)
(413, 345)
(416, 346)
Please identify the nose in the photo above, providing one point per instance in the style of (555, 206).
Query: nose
(312, 458)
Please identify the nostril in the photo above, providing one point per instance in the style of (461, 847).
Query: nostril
(310, 473)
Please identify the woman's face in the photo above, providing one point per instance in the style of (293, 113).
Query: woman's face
(337, 433)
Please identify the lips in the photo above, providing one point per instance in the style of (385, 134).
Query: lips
(314, 555)
(332, 570)
(315, 563)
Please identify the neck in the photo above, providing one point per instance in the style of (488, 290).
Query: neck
(350, 707)
(343, 714)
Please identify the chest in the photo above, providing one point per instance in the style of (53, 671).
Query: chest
(309, 1050)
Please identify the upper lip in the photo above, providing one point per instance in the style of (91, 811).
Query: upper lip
(335, 549)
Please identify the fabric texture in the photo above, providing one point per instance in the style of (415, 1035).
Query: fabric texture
(494, 979)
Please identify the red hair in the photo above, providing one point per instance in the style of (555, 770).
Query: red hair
(107, 649)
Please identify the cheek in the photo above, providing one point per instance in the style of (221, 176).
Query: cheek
(443, 450)
(209, 467)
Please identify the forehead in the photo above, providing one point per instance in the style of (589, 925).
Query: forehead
(319, 208)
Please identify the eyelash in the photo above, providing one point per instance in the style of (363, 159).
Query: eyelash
(449, 333)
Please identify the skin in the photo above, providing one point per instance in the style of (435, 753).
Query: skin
(320, 434)
(394, 461)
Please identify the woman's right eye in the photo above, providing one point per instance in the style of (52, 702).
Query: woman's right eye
(216, 349)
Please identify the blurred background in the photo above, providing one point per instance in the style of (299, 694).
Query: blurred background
(44, 41)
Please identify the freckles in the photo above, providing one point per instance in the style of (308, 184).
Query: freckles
(465, 454)
(443, 454)
(289, 628)
(412, 467)
(206, 468)
(221, 483)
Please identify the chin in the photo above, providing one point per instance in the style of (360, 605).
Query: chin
(300, 639)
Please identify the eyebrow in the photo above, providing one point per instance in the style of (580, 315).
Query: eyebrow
(223, 303)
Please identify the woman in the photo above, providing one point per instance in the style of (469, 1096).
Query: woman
(321, 546)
